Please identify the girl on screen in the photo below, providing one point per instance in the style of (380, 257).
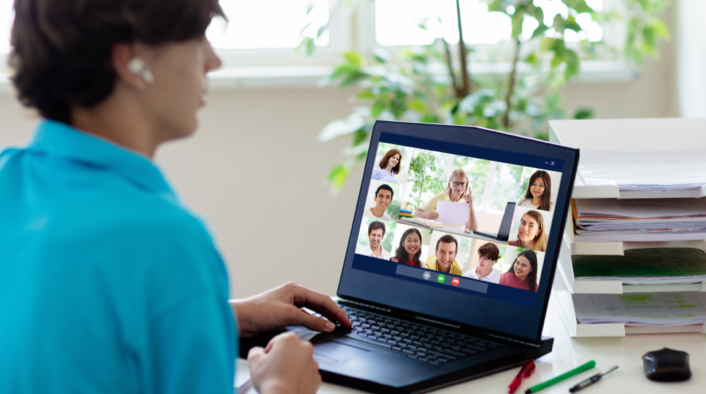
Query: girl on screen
(389, 166)
(531, 234)
(523, 273)
(458, 189)
(410, 248)
(539, 192)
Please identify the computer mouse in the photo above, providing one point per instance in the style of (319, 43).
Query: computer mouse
(667, 365)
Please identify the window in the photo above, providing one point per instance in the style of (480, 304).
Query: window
(261, 38)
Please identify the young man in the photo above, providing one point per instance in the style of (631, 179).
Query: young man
(383, 198)
(108, 283)
(488, 255)
(444, 256)
(376, 232)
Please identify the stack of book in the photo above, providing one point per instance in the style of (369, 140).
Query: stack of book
(633, 256)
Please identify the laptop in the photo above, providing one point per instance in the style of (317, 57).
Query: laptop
(416, 328)
(503, 233)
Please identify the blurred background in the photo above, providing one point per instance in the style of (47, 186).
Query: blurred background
(256, 170)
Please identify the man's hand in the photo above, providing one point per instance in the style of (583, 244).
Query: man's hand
(285, 366)
(280, 307)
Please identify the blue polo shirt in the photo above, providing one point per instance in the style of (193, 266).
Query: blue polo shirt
(107, 283)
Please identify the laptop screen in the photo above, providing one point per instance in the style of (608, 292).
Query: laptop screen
(459, 224)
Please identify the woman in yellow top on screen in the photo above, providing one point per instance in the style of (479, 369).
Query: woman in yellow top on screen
(458, 189)
(531, 234)
(539, 192)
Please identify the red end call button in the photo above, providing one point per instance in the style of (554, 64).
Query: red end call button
(455, 281)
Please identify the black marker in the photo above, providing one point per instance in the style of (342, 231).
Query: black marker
(593, 379)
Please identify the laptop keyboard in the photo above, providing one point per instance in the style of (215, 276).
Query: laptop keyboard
(417, 341)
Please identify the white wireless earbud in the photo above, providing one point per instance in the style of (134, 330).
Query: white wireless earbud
(137, 66)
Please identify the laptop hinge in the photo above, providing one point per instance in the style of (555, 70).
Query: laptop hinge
(456, 326)
(365, 305)
(515, 340)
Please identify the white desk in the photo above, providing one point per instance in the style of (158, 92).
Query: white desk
(569, 353)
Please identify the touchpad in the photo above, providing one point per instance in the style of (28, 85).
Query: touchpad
(331, 352)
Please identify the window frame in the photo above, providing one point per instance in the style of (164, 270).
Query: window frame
(287, 67)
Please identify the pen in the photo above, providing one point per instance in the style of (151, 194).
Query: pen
(593, 379)
(561, 377)
(525, 372)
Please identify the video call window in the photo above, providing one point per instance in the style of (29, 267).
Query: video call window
(473, 218)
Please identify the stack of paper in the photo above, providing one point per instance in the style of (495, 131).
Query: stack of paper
(640, 220)
(644, 266)
(657, 309)
(644, 171)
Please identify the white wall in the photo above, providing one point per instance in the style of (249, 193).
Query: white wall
(255, 171)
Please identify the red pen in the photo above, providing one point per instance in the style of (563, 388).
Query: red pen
(525, 372)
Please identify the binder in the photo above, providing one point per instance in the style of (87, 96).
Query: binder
(618, 135)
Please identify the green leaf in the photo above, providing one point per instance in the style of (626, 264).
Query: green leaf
(338, 176)
(547, 44)
(418, 105)
(538, 14)
(558, 24)
(571, 24)
(649, 42)
(572, 64)
(310, 7)
(352, 79)
(584, 113)
(377, 109)
(310, 46)
(581, 6)
(381, 56)
(342, 127)
(659, 28)
(365, 95)
(517, 20)
(304, 28)
(320, 32)
(559, 47)
(539, 31)
(353, 57)
(344, 69)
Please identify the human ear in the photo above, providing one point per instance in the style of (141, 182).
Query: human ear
(130, 67)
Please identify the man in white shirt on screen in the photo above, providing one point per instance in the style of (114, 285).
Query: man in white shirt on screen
(376, 232)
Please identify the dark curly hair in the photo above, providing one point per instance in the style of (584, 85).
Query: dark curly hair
(61, 49)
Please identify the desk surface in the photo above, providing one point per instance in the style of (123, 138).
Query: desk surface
(569, 353)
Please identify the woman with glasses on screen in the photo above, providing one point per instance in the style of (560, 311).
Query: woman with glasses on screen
(108, 284)
(458, 189)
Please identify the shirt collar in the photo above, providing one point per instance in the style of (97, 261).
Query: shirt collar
(60, 139)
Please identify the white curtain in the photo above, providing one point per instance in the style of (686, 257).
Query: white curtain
(691, 58)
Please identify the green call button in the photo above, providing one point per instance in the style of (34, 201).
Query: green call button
(441, 278)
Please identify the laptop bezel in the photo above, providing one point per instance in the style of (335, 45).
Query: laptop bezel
(484, 139)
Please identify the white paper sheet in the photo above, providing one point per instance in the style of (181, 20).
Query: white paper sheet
(648, 171)
(452, 213)
(653, 309)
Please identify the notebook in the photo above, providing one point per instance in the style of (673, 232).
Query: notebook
(418, 323)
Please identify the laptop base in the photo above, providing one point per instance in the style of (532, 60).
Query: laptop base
(361, 366)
